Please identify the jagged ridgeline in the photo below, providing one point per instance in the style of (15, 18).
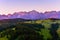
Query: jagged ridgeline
(22, 29)
(32, 15)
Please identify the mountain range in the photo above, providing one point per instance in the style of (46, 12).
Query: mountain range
(32, 15)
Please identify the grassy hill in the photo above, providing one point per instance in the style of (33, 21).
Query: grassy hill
(30, 30)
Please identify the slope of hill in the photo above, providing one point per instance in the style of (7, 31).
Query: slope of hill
(13, 20)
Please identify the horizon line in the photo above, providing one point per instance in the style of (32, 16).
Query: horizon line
(32, 10)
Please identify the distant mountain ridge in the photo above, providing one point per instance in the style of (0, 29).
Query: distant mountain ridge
(33, 15)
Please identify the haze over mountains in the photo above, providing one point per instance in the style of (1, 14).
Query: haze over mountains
(33, 15)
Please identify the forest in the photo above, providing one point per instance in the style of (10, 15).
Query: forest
(31, 30)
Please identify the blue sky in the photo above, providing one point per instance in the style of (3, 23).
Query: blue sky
(10, 6)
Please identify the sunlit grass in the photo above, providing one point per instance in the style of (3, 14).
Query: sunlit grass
(4, 38)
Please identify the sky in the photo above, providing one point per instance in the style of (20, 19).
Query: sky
(11, 6)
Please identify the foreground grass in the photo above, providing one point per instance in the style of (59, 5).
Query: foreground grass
(4, 38)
